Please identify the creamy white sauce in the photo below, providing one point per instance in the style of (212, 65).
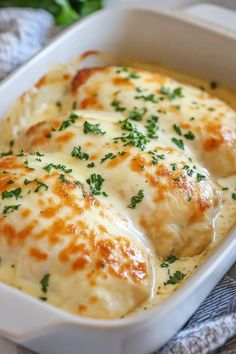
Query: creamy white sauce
(40, 104)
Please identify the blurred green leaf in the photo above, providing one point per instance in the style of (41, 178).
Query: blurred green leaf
(65, 12)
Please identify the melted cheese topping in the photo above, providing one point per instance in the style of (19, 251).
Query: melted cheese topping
(136, 184)
(64, 244)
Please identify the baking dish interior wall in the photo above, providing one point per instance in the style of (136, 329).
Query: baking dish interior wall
(178, 44)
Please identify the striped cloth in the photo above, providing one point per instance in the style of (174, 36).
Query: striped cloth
(211, 326)
(22, 34)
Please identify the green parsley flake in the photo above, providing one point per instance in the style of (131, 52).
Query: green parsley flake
(136, 199)
(71, 120)
(40, 185)
(7, 153)
(148, 98)
(10, 181)
(95, 182)
(79, 154)
(43, 298)
(10, 194)
(112, 156)
(177, 128)
(137, 114)
(175, 278)
(213, 85)
(63, 168)
(189, 171)
(45, 283)
(21, 153)
(129, 74)
(126, 125)
(234, 196)
(91, 165)
(178, 142)
(117, 106)
(63, 179)
(37, 153)
(189, 135)
(135, 138)
(152, 127)
(92, 128)
(176, 93)
(58, 104)
(169, 260)
(156, 157)
(200, 177)
(10, 208)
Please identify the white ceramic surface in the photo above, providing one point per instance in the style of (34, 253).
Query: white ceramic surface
(146, 36)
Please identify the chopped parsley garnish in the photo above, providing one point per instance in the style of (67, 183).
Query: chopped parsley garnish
(200, 177)
(139, 89)
(49, 135)
(10, 194)
(148, 98)
(63, 179)
(175, 278)
(174, 166)
(156, 157)
(213, 84)
(45, 283)
(43, 298)
(178, 142)
(10, 181)
(137, 114)
(117, 106)
(27, 181)
(126, 125)
(10, 208)
(130, 74)
(112, 156)
(177, 128)
(71, 120)
(136, 199)
(152, 127)
(63, 168)
(176, 93)
(234, 196)
(74, 105)
(135, 138)
(7, 153)
(37, 153)
(189, 170)
(189, 135)
(95, 182)
(79, 154)
(169, 260)
(225, 188)
(21, 153)
(91, 165)
(92, 128)
(40, 185)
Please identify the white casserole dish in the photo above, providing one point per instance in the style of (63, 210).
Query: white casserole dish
(145, 36)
